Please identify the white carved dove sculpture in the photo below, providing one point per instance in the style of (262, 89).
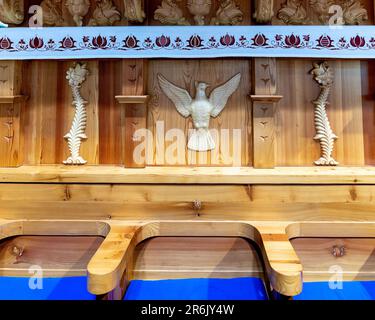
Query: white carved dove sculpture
(201, 108)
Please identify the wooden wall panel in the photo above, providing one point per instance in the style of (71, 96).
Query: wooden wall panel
(171, 202)
(184, 257)
(110, 137)
(57, 255)
(50, 112)
(236, 115)
(368, 101)
(295, 114)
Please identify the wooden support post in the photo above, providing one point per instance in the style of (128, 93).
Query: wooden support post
(11, 103)
(264, 100)
(135, 109)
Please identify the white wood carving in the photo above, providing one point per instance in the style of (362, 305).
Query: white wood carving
(76, 76)
(134, 11)
(52, 13)
(263, 11)
(228, 14)
(12, 11)
(354, 12)
(78, 9)
(322, 74)
(318, 12)
(292, 12)
(170, 13)
(201, 108)
(199, 9)
(105, 14)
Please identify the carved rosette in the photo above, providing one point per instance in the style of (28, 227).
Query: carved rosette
(12, 11)
(322, 74)
(76, 76)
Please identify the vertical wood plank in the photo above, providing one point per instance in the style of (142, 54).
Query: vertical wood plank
(368, 103)
(11, 133)
(134, 116)
(90, 92)
(263, 135)
(110, 137)
(264, 99)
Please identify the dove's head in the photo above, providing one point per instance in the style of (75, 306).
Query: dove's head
(201, 86)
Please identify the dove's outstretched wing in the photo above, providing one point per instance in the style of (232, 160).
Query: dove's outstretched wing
(219, 97)
(180, 97)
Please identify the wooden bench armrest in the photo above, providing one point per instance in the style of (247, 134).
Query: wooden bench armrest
(282, 264)
(106, 268)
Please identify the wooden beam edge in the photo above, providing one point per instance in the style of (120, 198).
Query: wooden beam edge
(132, 99)
(195, 175)
(13, 99)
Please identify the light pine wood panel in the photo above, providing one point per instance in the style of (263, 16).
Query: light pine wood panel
(110, 135)
(190, 175)
(358, 262)
(50, 112)
(236, 115)
(56, 255)
(184, 257)
(11, 137)
(368, 101)
(295, 113)
(148, 202)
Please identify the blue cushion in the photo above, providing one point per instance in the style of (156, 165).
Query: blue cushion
(67, 288)
(197, 289)
(351, 290)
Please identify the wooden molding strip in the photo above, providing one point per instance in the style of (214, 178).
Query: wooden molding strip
(132, 99)
(188, 175)
(266, 98)
(12, 99)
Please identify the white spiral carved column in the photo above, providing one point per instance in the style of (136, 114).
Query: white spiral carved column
(76, 76)
(323, 76)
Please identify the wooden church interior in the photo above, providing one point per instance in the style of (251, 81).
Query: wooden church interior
(279, 206)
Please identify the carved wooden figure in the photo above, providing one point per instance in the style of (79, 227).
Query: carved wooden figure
(199, 9)
(12, 11)
(134, 11)
(319, 12)
(78, 9)
(170, 13)
(323, 76)
(52, 13)
(263, 11)
(228, 14)
(76, 76)
(201, 108)
(105, 14)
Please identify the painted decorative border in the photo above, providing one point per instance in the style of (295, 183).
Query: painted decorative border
(187, 42)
